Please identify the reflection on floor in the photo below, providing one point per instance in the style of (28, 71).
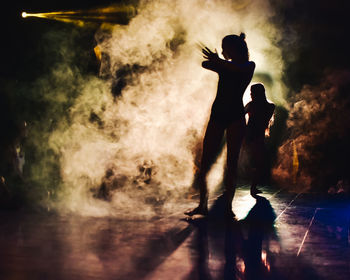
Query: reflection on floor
(278, 235)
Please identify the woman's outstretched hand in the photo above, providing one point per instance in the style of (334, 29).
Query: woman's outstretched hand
(209, 55)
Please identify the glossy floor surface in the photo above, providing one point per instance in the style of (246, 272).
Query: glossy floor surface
(279, 235)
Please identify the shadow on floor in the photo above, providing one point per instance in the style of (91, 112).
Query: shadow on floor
(224, 248)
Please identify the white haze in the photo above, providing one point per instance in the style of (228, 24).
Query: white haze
(161, 115)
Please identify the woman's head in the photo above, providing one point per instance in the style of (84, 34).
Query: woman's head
(235, 47)
(257, 92)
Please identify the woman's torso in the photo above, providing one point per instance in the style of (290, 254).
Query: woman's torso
(259, 118)
(228, 104)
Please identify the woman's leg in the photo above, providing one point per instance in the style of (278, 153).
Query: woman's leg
(211, 146)
(234, 136)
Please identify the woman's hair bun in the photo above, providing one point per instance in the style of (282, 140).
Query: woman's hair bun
(242, 36)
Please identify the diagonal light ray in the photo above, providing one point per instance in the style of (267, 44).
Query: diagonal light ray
(117, 14)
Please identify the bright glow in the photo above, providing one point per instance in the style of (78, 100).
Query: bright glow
(264, 260)
(24, 14)
(241, 205)
(240, 265)
(98, 53)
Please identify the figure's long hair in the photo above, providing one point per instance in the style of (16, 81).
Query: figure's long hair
(234, 43)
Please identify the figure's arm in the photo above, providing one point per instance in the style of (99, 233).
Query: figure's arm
(272, 109)
(219, 65)
(270, 120)
(214, 63)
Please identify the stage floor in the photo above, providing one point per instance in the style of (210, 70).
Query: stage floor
(280, 235)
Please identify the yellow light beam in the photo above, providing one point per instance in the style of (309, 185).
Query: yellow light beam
(118, 15)
(295, 162)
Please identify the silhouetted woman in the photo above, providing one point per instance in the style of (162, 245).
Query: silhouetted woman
(260, 112)
(227, 115)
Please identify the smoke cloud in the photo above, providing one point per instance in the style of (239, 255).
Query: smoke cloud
(125, 141)
(316, 75)
(317, 128)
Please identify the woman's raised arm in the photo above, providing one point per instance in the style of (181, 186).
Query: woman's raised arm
(215, 63)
